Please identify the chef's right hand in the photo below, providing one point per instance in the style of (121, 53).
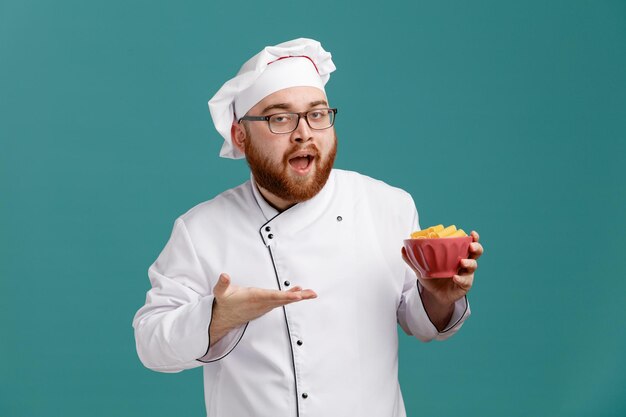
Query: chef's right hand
(235, 305)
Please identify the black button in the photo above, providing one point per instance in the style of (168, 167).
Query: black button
(267, 229)
(270, 236)
(287, 283)
(339, 218)
(299, 342)
(305, 395)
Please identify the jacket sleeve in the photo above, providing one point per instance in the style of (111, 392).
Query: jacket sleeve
(412, 316)
(172, 328)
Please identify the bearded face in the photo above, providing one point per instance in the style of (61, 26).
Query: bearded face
(297, 175)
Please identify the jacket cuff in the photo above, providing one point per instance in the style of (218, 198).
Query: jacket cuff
(223, 346)
(415, 318)
(460, 313)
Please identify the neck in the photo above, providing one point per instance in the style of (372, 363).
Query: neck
(275, 201)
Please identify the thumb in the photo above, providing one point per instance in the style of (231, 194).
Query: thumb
(223, 282)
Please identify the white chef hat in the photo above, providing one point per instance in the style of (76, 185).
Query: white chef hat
(297, 63)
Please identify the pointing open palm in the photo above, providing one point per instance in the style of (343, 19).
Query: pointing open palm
(235, 305)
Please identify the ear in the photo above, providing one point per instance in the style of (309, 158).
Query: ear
(238, 136)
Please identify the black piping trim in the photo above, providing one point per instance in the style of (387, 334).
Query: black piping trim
(209, 333)
(431, 322)
(277, 214)
(293, 359)
(460, 318)
(244, 330)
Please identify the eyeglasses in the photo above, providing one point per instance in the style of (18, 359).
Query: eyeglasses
(317, 119)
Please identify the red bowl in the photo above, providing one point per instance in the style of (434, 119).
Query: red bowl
(438, 257)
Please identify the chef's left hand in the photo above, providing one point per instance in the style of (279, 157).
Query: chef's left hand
(447, 291)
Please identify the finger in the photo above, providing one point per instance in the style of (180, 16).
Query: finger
(468, 266)
(475, 250)
(406, 259)
(303, 295)
(308, 294)
(222, 285)
(275, 297)
(464, 282)
(475, 236)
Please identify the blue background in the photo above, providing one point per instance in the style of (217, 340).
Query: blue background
(504, 117)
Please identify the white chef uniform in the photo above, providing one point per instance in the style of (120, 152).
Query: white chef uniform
(336, 355)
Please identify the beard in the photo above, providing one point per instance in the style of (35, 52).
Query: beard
(276, 178)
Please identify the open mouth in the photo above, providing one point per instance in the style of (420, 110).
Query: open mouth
(301, 161)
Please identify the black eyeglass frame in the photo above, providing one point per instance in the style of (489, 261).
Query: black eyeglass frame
(300, 115)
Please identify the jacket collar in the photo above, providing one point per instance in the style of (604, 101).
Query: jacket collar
(294, 219)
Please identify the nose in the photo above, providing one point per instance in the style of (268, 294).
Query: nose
(303, 132)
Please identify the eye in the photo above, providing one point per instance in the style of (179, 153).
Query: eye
(317, 114)
(282, 118)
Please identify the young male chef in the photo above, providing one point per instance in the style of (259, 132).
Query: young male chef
(288, 289)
